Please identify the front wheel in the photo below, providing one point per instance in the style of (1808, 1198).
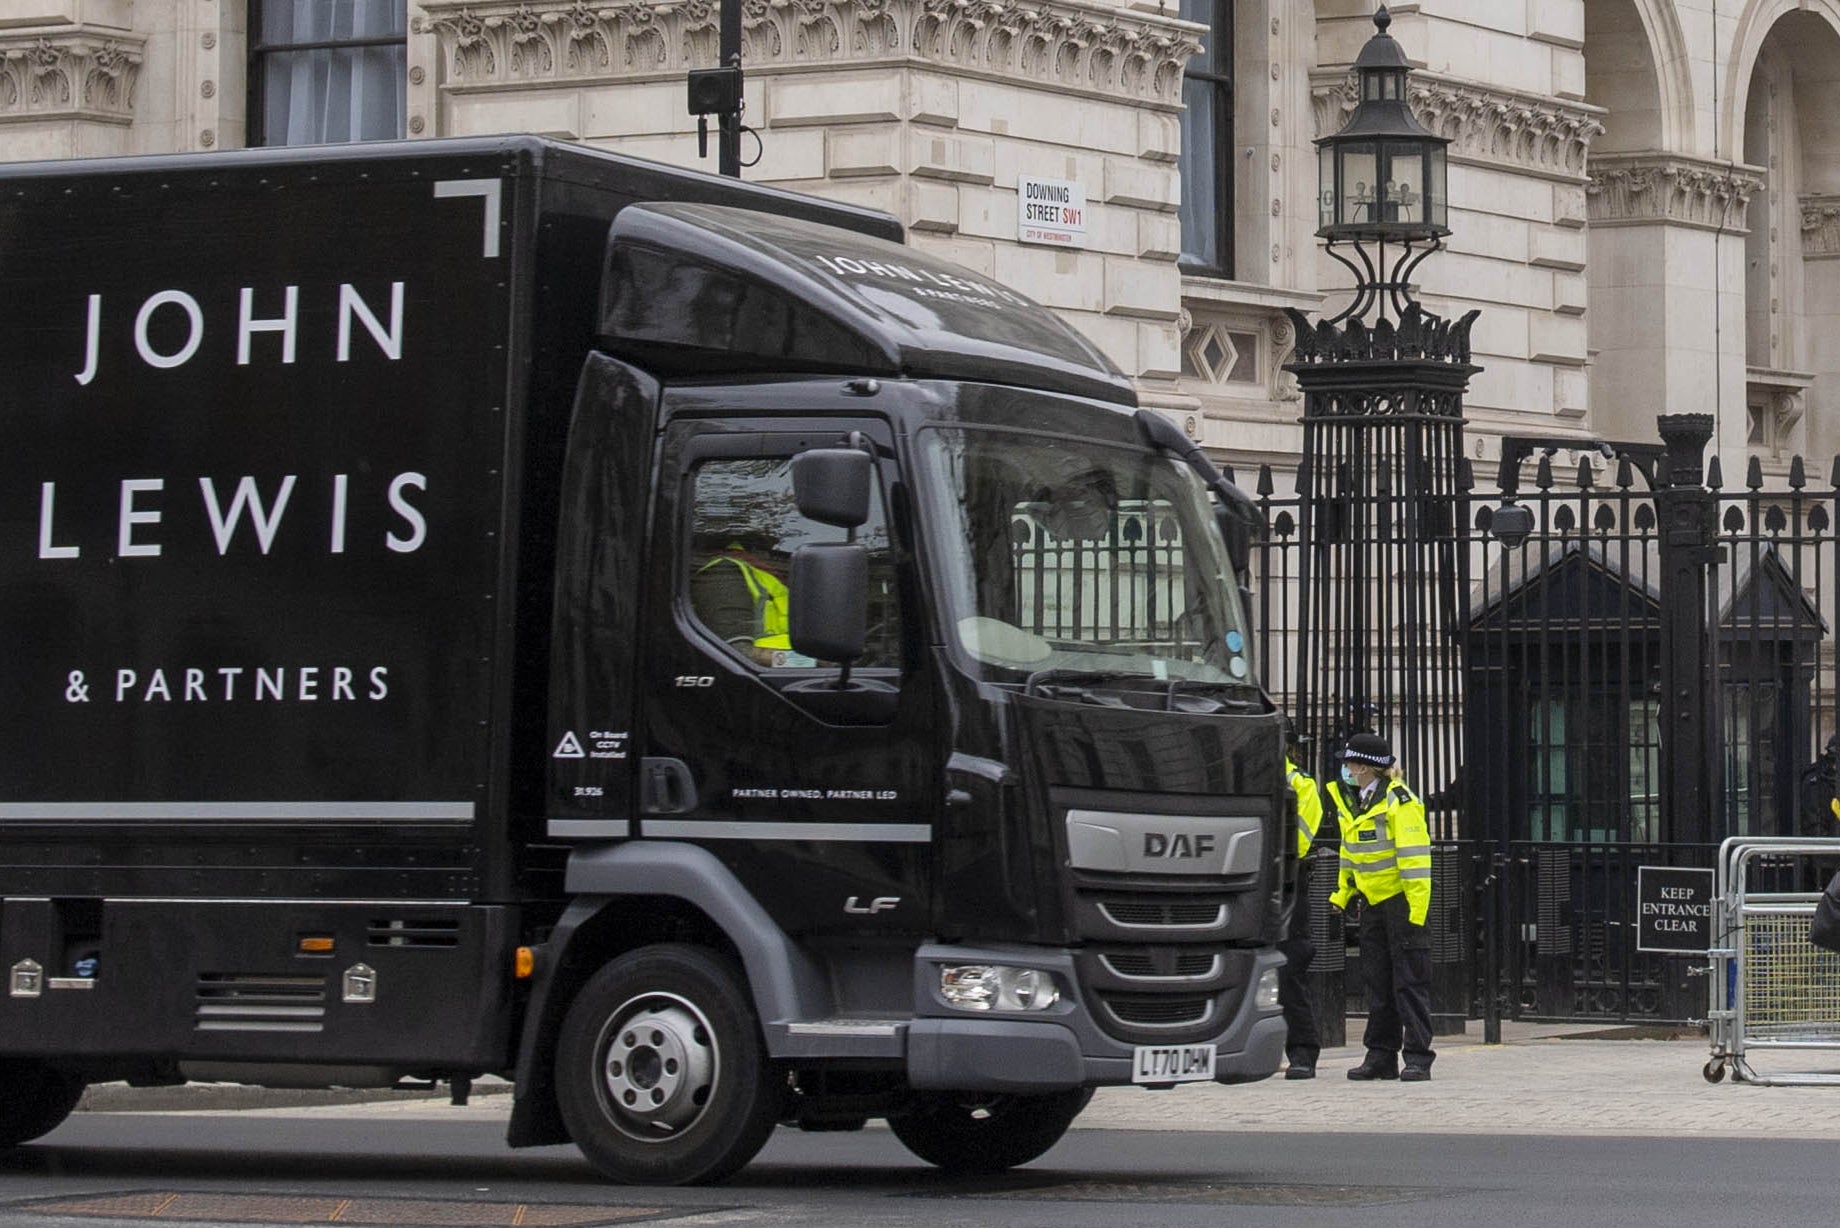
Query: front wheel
(34, 1100)
(661, 1075)
(963, 1132)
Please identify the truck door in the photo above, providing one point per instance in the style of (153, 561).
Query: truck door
(819, 798)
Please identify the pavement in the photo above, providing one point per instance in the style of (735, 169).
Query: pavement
(1580, 1081)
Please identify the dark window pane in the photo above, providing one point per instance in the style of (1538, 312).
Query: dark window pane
(303, 92)
(333, 95)
(1201, 196)
(1207, 141)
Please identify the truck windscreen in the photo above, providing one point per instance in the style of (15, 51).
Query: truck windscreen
(1067, 557)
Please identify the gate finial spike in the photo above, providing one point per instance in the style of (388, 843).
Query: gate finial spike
(1798, 473)
(1753, 473)
(1715, 474)
(1585, 473)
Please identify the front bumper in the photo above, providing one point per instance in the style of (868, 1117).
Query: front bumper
(1062, 1047)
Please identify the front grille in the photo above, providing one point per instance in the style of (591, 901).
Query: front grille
(251, 1002)
(1166, 947)
(1163, 914)
(1158, 1010)
(1172, 964)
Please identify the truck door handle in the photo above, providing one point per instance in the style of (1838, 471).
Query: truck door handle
(668, 786)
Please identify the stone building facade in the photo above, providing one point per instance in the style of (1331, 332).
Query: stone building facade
(1645, 194)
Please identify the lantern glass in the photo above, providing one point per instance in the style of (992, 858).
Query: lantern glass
(1402, 182)
(1325, 186)
(1376, 86)
(1357, 178)
(1437, 189)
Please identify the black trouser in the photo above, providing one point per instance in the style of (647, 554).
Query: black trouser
(1301, 1043)
(1397, 958)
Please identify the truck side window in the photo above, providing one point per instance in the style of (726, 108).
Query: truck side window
(744, 528)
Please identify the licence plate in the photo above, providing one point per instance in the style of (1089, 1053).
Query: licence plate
(1172, 1064)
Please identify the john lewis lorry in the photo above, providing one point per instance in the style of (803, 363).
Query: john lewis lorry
(496, 607)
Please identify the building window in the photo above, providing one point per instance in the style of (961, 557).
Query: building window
(327, 70)
(1207, 143)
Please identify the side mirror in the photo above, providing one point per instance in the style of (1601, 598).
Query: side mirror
(831, 486)
(829, 597)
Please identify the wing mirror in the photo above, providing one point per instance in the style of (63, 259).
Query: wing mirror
(831, 486)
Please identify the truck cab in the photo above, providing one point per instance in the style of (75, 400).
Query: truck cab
(932, 692)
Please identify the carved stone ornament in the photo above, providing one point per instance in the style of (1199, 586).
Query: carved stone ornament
(1645, 189)
(1821, 227)
(73, 75)
(1068, 45)
(1495, 127)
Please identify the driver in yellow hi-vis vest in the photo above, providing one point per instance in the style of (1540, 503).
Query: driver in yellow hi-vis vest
(753, 613)
(1386, 861)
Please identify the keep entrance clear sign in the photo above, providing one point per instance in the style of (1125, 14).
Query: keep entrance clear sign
(1673, 910)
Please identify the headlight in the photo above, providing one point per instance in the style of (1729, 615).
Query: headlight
(1266, 996)
(995, 987)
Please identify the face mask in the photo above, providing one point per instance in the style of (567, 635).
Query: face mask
(1348, 777)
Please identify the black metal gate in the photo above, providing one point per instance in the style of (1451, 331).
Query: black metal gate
(1634, 663)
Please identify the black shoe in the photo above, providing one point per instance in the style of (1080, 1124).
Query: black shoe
(1415, 1074)
(1299, 1070)
(1374, 1068)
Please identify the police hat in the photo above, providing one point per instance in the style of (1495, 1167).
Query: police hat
(1369, 748)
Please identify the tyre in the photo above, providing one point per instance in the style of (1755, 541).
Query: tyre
(35, 1101)
(965, 1132)
(661, 1075)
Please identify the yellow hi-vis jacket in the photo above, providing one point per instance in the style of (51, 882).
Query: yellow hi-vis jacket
(769, 595)
(1309, 805)
(1386, 848)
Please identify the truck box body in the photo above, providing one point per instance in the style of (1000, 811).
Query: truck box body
(282, 456)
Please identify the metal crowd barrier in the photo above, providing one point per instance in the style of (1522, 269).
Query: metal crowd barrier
(1771, 990)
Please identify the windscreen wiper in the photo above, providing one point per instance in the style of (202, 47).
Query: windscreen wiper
(1052, 683)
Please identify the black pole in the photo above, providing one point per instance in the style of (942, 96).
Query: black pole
(728, 51)
(1687, 514)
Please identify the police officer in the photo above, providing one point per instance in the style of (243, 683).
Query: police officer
(1386, 861)
(1301, 1042)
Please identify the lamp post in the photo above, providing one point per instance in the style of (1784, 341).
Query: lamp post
(1384, 578)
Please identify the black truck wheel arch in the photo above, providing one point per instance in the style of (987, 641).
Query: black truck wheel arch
(655, 891)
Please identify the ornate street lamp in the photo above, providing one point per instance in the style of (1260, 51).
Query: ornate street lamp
(1383, 182)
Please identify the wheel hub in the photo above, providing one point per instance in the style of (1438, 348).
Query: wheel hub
(659, 1065)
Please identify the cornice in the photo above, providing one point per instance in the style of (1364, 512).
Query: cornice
(1821, 227)
(1486, 126)
(75, 73)
(1643, 189)
(1070, 47)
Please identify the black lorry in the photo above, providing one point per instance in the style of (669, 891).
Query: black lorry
(493, 607)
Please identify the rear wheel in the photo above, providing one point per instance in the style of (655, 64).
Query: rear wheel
(965, 1132)
(661, 1075)
(34, 1100)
